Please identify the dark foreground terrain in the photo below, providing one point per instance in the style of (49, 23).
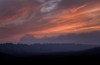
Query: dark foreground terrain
(11, 52)
(91, 54)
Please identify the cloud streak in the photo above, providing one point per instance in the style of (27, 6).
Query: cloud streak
(50, 18)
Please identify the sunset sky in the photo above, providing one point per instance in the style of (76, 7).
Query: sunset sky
(75, 20)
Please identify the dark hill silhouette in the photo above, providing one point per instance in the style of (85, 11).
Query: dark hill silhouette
(28, 39)
(13, 53)
(91, 52)
(47, 52)
(20, 49)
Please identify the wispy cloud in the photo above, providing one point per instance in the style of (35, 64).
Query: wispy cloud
(48, 18)
(50, 5)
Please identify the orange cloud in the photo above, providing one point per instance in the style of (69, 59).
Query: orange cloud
(77, 21)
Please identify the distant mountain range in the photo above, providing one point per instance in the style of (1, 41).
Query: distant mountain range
(47, 52)
(23, 49)
(72, 38)
(29, 45)
(29, 39)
